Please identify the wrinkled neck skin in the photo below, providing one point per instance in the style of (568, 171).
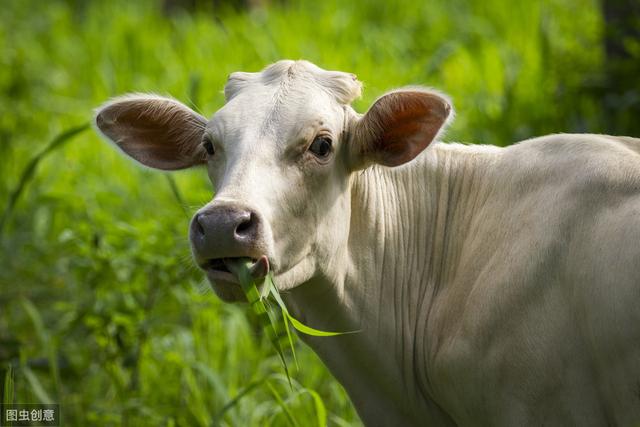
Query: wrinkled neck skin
(399, 258)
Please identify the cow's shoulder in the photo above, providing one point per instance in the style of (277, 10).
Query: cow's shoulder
(565, 148)
(580, 163)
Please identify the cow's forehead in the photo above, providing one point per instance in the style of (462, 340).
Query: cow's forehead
(286, 74)
(284, 100)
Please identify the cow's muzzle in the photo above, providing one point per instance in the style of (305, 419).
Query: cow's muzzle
(222, 231)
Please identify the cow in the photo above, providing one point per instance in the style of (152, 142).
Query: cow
(490, 286)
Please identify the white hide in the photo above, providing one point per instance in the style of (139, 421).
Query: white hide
(492, 286)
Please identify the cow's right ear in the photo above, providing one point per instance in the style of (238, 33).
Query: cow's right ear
(398, 127)
(158, 132)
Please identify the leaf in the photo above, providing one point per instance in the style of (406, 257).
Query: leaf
(45, 339)
(30, 170)
(36, 385)
(264, 311)
(321, 411)
(217, 418)
(290, 337)
(295, 322)
(7, 397)
(177, 194)
(311, 331)
(240, 268)
(282, 404)
(36, 320)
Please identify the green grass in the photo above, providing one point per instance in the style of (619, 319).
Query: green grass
(101, 309)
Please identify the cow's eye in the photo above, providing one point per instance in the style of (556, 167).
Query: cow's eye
(208, 146)
(321, 146)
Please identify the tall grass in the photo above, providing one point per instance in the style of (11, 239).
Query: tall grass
(101, 309)
(31, 167)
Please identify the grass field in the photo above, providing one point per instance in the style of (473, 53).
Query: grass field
(101, 309)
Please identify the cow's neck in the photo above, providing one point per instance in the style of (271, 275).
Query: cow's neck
(405, 241)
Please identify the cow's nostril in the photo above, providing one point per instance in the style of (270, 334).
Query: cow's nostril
(245, 225)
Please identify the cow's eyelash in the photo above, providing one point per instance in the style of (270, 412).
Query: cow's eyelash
(208, 145)
(321, 134)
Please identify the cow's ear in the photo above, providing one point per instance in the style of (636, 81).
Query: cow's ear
(397, 127)
(158, 132)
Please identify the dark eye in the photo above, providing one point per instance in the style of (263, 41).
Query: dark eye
(321, 146)
(208, 146)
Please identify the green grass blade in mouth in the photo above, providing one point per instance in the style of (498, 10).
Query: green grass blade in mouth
(260, 307)
(301, 327)
(268, 318)
(290, 338)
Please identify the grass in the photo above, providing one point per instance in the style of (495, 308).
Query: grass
(273, 316)
(101, 309)
(32, 166)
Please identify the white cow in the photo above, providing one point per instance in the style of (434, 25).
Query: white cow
(492, 286)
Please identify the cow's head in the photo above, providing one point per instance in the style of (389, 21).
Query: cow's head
(280, 154)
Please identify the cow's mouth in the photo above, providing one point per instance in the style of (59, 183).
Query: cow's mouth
(220, 264)
(224, 282)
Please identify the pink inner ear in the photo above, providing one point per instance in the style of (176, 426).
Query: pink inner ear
(407, 123)
(159, 133)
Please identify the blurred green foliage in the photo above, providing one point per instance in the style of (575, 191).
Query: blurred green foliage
(101, 309)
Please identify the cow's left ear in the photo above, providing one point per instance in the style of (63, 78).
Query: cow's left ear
(398, 127)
